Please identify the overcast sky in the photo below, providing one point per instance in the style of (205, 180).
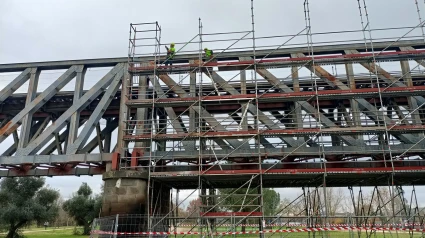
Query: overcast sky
(32, 31)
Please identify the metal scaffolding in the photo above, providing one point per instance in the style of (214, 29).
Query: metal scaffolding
(190, 128)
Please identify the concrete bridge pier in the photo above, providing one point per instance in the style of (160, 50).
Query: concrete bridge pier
(125, 194)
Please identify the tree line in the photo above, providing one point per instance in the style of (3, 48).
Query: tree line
(27, 201)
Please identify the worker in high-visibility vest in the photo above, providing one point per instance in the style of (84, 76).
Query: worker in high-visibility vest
(208, 54)
(209, 58)
(171, 52)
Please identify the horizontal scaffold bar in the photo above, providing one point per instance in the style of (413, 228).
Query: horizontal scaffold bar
(281, 97)
(405, 129)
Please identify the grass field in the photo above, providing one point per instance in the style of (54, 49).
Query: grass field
(67, 232)
(62, 232)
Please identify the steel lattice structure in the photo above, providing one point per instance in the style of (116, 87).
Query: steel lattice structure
(205, 124)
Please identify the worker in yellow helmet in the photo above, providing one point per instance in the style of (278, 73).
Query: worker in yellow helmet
(171, 52)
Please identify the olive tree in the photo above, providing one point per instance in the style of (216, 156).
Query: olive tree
(25, 200)
(84, 207)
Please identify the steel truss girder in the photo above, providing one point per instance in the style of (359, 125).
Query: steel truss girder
(204, 114)
(97, 89)
(97, 115)
(365, 150)
(38, 102)
(62, 138)
(368, 108)
(179, 127)
(282, 97)
(91, 145)
(305, 105)
(281, 133)
(251, 108)
(384, 75)
(263, 141)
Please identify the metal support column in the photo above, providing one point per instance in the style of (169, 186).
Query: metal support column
(108, 137)
(413, 103)
(27, 120)
(193, 120)
(355, 111)
(244, 121)
(296, 108)
(78, 92)
(143, 125)
(124, 115)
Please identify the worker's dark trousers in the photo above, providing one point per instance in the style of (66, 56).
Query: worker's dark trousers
(168, 62)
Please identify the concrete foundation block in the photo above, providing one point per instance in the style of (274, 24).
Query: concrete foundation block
(125, 192)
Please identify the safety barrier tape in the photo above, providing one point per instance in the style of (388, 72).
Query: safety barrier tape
(97, 232)
(303, 224)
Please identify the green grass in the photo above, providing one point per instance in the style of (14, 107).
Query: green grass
(53, 234)
(62, 232)
(68, 233)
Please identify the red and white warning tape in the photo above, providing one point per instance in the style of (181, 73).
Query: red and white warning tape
(306, 225)
(97, 232)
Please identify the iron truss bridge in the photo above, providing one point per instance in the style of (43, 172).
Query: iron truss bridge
(364, 122)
